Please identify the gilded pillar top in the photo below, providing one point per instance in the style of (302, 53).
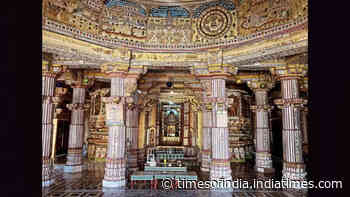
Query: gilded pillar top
(123, 70)
(78, 106)
(51, 70)
(261, 82)
(214, 71)
(289, 71)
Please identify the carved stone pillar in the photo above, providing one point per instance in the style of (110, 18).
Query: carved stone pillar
(206, 139)
(291, 103)
(212, 74)
(76, 130)
(263, 141)
(122, 87)
(115, 120)
(48, 86)
(216, 115)
(132, 121)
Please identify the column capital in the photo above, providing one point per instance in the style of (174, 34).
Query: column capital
(52, 70)
(289, 71)
(214, 71)
(256, 108)
(294, 102)
(261, 83)
(78, 106)
(123, 70)
(113, 99)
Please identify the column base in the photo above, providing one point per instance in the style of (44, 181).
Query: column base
(264, 170)
(113, 184)
(218, 171)
(48, 183)
(73, 169)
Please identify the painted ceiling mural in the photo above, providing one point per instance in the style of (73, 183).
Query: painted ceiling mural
(130, 22)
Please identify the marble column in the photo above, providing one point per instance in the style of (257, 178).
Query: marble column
(48, 87)
(263, 141)
(291, 103)
(49, 74)
(206, 140)
(117, 107)
(132, 121)
(216, 101)
(76, 131)
(115, 120)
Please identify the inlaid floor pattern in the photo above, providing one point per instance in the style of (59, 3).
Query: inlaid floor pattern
(89, 184)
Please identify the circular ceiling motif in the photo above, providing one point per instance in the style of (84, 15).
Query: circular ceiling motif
(214, 22)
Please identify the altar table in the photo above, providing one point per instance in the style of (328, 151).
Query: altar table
(165, 168)
(154, 176)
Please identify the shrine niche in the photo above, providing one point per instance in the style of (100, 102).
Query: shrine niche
(171, 124)
(240, 125)
(98, 131)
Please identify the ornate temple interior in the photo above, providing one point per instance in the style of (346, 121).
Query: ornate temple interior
(137, 90)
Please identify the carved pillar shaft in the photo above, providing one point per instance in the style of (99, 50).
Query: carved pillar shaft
(48, 87)
(293, 167)
(206, 141)
(132, 136)
(220, 163)
(263, 152)
(115, 110)
(291, 103)
(76, 131)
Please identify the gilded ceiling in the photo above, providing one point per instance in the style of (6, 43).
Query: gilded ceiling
(174, 33)
(152, 26)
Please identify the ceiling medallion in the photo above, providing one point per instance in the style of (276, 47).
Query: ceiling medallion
(214, 22)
